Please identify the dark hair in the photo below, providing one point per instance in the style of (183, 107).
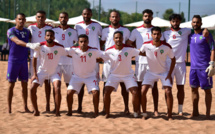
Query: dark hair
(49, 30)
(175, 16)
(41, 11)
(65, 13)
(198, 17)
(22, 14)
(115, 12)
(82, 36)
(156, 29)
(117, 33)
(149, 11)
(88, 9)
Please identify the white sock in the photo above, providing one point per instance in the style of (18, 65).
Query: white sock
(180, 108)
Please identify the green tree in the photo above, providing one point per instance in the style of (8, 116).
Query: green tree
(167, 13)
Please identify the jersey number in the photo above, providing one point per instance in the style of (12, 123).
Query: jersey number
(50, 56)
(63, 36)
(83, 58)
(95, 82)
(174, 37)
(119, 56)
(147, 35)
(39, 34)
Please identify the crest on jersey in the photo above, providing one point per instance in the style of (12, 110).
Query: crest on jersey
(161, 51)
(69, 33)
(8, 75)
(126, 54)
(200, 37)
(179, 32)
(93, 28)
(55, 52)
(90, 54)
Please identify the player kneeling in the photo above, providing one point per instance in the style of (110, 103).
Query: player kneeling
(49, 54)
(84, 69)
(156, 52)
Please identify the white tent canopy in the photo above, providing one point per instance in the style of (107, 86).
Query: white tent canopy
(155, 22)
(32, 19)
(207, 22)
(4, 19)
(75, 20)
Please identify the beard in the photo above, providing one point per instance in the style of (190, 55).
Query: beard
(49, 41)
(196, 28)
(175, 27)
(147, 21)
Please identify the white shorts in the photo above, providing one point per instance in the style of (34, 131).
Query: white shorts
(106, 71)
(150, 78)
(140, 71)
(76, 83)
(66, 71)
(114, 81)
(179, 73)
(43, 76)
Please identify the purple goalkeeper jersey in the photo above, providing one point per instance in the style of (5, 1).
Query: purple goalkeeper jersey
(200, 50)
(18, 53)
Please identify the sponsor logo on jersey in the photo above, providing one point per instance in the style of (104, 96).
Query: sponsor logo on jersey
(126, 54)
(90, 54)
(55, 52)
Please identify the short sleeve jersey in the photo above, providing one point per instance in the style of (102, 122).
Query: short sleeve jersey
(38, 34)
(66, 38)
(107, 35)
(179, 42)
(200, 50)
(84, 62)
(18, 54)
(92, 30)
(120, 60)
(156, 56)
(49, 57)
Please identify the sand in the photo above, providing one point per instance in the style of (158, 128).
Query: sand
(19, 122)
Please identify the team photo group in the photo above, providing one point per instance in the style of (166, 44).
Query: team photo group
(74, 56)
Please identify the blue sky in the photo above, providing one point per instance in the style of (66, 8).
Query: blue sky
(201, 7)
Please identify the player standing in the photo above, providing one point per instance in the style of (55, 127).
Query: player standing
(107, 40)
(18, 38)
(49, 53)
(202, 61)
(84, 71)
(93, 30)
(143, 34)
(66, 36)
(156, 54)
(178, 38)
(38, 35)
(120, 57)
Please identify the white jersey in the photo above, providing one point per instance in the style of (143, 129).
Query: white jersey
(107, 35)
(92, 30)
(141, 34)
(156, 56)
(84, 62)
(66, 38)
(179, 42)
(120, 60)
(38, 34)
(49, 57)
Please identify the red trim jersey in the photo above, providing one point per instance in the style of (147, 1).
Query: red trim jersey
(49, 57)
(179, 42)
(120, 60)
(66, 38)
(38, 34)
(84, 62)
(92, 30)
(107, 35)
(156, 56)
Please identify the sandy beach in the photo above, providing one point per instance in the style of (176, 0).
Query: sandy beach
(22, 123)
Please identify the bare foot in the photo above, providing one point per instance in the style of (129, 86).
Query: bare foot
(57, 114)
(180, 113)
(144, 118)
(37, 113)
(208, 117)
(9, 111)
(69, 114)
(79, 110)
(53, 111)
(107, 116)
(170, 119)
(103, 112)
(126, 112)
(194, 115)
(28, 111)
(47, 108)
(156, 114)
